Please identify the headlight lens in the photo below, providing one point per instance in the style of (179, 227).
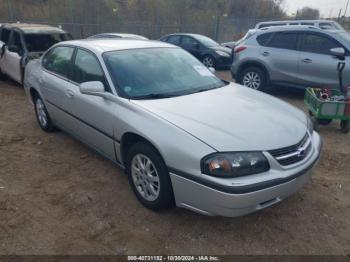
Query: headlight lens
(229, 165)
(310, 125)
(221, 53)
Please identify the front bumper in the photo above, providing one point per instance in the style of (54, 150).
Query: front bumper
(237, 201)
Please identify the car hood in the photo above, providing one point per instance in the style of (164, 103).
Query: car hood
(222, 48)
(233, 118)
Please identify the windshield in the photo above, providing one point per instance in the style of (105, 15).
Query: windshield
(42, 42)
(206, 41)
(158, 73)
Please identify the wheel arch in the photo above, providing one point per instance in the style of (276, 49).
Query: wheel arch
(128, 140)
(33, 93)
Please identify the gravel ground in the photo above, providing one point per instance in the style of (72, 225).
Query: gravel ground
(59, 197)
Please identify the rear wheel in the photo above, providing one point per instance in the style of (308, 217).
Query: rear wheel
(254, 78)
(42, 115)
(149, 177)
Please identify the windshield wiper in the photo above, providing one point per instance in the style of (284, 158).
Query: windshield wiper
(152, 96)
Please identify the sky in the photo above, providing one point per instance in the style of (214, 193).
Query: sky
(326, 7)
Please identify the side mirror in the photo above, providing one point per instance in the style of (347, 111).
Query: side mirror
(338, 52)
(14, 49)
(212, 69)
(93, 88)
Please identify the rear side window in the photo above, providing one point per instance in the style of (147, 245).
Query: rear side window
(175, 40)
(314, 43)
(284, 40)
(5, 35)
(58, 60)
(264, 39)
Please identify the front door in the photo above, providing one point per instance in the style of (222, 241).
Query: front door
(317, 67)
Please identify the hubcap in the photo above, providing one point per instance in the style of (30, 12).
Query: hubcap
(145, 177)
(252, 80)
(41, 113)
(208, 62)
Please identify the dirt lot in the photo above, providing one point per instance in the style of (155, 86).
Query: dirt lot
(59, 197)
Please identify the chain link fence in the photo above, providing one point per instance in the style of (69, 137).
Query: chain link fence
(96, 17)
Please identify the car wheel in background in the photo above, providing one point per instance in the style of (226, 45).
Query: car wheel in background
(209, 61)
(149, 177)
(42, 115)
(254, 77)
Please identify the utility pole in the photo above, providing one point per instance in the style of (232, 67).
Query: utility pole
(346, 9)
(339, 16)
(9, 7)
(217, 24)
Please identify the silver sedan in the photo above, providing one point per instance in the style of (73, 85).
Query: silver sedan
(183, 136)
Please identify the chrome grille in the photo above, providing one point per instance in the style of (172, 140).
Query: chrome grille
(293, 154)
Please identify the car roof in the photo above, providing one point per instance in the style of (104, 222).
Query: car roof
(298, 21)
(186, 34)
(123, 35)
(34, 28)
(297, 28)
(105, 45)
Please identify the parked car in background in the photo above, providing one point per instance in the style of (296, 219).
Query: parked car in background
(117, 35)
(209, 52)
(321, 24)
(232, 45)
(297, 56)
(19, 43)
(183, 135)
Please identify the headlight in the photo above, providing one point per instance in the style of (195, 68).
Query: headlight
(229, 165)
(221, 53)
(310, 125)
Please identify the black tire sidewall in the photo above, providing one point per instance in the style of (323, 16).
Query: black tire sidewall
(49, 127)
(260, 72)
(165, 199)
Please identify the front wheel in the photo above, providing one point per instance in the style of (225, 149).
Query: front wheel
(209, 61)
(254, 78)
(149, 177)
(42, 115)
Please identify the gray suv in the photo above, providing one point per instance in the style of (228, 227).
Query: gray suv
(297, 56)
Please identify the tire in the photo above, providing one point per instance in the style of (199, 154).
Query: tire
(345, 126)
(42, 115)
(156, 194)
(209, 61)
(255, 78)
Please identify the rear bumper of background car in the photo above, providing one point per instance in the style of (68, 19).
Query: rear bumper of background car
(208, 199)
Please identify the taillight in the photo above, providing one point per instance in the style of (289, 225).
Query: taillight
(239, 49)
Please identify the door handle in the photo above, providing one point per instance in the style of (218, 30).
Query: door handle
(307, 61)
(69, 93)
(266, 53)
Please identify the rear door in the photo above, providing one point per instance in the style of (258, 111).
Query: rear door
(11, 60)
(279, 52)
(317, 67)
(55, 82)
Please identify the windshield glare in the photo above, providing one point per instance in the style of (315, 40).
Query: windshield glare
(158, 72)
(42, 42)
(206, 41)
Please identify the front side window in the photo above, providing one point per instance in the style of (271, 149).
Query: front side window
(58, 60)
(188, 42)
(314, 43)
(87, 68)
(158, 73)
(42, 42)
(284, 40)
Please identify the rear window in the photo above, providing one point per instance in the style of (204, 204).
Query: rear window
(264, 39)
(269, 25)
(42, 42)
(284, 40)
